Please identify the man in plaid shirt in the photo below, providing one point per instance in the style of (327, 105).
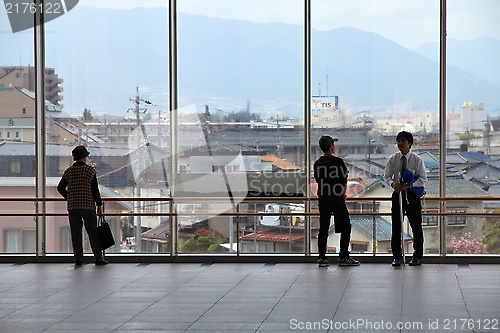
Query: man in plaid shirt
(79, 187)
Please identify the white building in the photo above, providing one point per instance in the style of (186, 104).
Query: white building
(424, 122)
(470, 118)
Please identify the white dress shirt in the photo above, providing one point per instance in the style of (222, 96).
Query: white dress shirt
(414, 163)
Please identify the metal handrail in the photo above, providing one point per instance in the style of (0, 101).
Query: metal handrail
(253, 199)
(246, 200)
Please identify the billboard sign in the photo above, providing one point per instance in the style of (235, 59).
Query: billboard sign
(324, 103)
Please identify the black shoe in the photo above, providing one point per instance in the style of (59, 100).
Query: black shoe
(348, 262)
(396, 262)
(415, 261)
(322, 262)
(78, 263)
(100, 262)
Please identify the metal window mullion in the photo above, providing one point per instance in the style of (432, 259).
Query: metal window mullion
(307, 121)
(442, 127)
(173, 105)
(39, 47)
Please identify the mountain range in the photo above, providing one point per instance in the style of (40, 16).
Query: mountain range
(103, 54)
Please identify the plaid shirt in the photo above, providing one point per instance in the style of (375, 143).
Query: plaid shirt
(82, 188)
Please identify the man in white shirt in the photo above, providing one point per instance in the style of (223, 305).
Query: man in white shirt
(398, 162)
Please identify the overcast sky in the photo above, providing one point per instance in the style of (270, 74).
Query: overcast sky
(410, 23)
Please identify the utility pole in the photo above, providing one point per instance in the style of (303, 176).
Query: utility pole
(487, 128)
(137, 109)
(488, 147)
(137, 207)
(279, 153)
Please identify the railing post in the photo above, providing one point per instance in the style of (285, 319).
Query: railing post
(173, 105)
(307, 122)
(442, 129)
(374, 240)
(40, 130)
(237, 230)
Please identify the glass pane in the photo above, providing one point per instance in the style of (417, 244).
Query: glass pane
(240, 129)
(17, 130)
(472, 134)
(369, 82)
(107, 86)
(274, 227)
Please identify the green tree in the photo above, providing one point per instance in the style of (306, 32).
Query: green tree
(87, 116)
(208, 243)
(242, 116)
(491, 232)
(466, 137)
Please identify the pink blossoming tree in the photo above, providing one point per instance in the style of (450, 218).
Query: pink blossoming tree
(467, 245)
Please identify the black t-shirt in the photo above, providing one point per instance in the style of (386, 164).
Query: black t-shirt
(330, 173)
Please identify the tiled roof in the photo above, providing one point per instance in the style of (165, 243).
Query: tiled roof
(382, 226)
(494, 163)
(203, 232)
(365, 224)
(160, 233)
(273, 236)
(428, 156)
(365, 166)
(455, 186)
(474, 155)
(435, 165)
(378, 158)
(455, 158)
(279, 163)
(375, 181)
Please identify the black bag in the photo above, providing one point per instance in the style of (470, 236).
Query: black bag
(104, 233)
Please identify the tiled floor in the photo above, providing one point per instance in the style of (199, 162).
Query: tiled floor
(249, 298)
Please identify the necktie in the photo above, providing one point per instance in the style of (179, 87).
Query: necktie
(403, 164)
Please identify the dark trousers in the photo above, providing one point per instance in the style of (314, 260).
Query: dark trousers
(413, 209)
(77, 217)
(337, 208)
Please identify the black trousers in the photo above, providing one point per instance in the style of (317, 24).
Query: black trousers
(337, 208)
(77, 217)
(413, 209)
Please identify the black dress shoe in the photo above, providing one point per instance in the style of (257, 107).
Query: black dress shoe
(415, 262)
(100, 262)
(78, 263)
(396, 262)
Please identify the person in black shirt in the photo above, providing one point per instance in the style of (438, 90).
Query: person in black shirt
(330, 173)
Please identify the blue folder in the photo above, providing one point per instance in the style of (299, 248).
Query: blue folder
(408, 178)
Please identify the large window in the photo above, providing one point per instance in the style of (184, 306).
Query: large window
(472, 111)
(369, 82)
(237, 140)
(106, 84)
(241, 125)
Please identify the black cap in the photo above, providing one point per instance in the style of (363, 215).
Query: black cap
(79, 153)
